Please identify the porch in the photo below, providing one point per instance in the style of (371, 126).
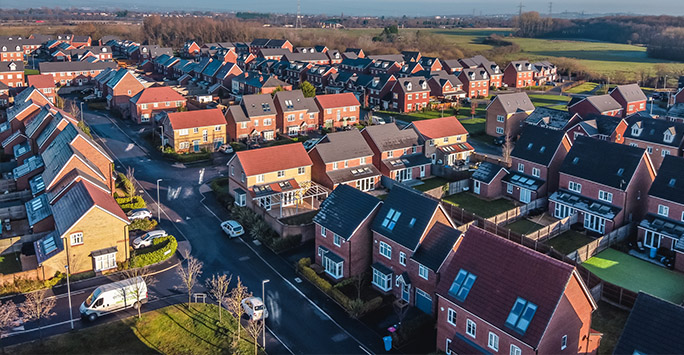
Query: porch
(289, 198)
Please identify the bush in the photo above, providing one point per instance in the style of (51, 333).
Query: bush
(160, 250)
(22, 285)
(127, 203)
(186, 157)
(284, 243)
(318, 281)
(143, 224)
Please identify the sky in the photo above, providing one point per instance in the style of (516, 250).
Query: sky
(375, 7)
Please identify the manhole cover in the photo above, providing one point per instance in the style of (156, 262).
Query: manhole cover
(298, 280)
(256, 242)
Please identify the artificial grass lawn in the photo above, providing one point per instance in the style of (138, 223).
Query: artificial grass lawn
(9, 263)
(170, 330)
(637, 275)
(482, 208)
(610, 321)
(583, 88)
(569, 241)
(431, 183)
(524, 226)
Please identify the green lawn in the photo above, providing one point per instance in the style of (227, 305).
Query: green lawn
(524, 226)
(637, 275)
(431, 183)
(552, 101)
(31, 71)
(9, 263)
(170, 330)
(568, 241)
(584, 88)
(474, 126)
(610, 321)
(482, 208)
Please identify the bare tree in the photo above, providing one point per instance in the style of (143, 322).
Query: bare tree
(38, 306)
(254, 328)
(139, 281)
(74, 110)
(506, 150)
(8, 316)
(218, 287)
(129, 185)
(234, 303)
(190, 273)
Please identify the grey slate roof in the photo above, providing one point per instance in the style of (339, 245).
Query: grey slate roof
(631, 92)
(537, 144)
(59, 152)
(52, 67)
(343, 145)
(344, 209)
(238, 113)
(436, 246)
(669, 183)
(654, 326)
(603, 124)
(604, 162)
(258, 105)
(548, 117)
(297, 99)
(71, 207)
(604, 103)
(389, 136)
(653, 130)
(515, 102)
(416, 211)
(487, 171)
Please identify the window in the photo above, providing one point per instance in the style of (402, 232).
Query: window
(564, 342)
(390, 154)
(243, 125)
(446, 139)
(509, 188)
(381, 280)
(386, 250)
(499, 130)
(260, 178)
(682, 216)
(462, 284)
(664, 152)
(143, 106)
(217, 128)
(471, 328)
(335, 166)
(391, 219)
(337, 240)
(663, 210)
(409, 97)
(76, 238)
(240, 199)
(402, 258)
(332, 268)
(451, 317)
(105, 262)
(423, 271)
(500, 118)
(515, 350)
(605, 196)
(649, 150)
(242, 178)
(301, 170)
(183, 132)
(535, 172)
(195, 130)
(573, 186)
(521, 167)
(323, 230)
(281, 173)
(493, 341)
(521, 315)
(232, 170)
(363, 161)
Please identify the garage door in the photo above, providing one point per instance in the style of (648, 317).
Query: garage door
(423, 301)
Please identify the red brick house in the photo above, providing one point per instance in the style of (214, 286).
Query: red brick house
(487, 180)
(344, 158)
(630, 97)
(376, 90)
(381, 67)
(544, 72)
(606, 193)
(12, 74)
(599, 105)
(497, 307)
(445, 86)
(45, 84)
(431, 64)
(81, 41)
(552, 118)
(409, 94)
(338, 110)
(519, 74)
(535, 163)
(663, 225)
(11, 51)
(343, 238)
(259, 43)
(607, 128)
(254, 118)
(190, 49)
(318, 76)
(475, 82)
(398, 154)
(74, 73)
(295, 113)
(120, 88)
(444, 140)
(506, 114)
(452, 66)
(152, 100)
(660, 138)
(226, 74)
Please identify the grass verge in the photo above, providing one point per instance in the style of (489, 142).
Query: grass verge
(9, 263)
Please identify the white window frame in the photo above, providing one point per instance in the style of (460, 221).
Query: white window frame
(605, 196)
(423, 272)
(521, 167)
(499, 130)
(536, 172)
(575, 187)
(564, 342)
(76, 238)
(471, 328)
(386, 279)
(402, 258)
(323, 231)
(500, 118)
(260, 178)
(281, 173)
(493, 341)
(509, 188)
(301, 170)
(663, 210)
(385, 250)
(105, 262)
(337, 240)
(451, 316)
(515, 350)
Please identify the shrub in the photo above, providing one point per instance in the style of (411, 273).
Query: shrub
(372, 304)
(127, 203)
(318, 281)
(186, 157)
(160, 250)
(284, 243)
(341, 298)
(143, 224)
(304, 262)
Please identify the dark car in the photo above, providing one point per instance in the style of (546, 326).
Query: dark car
(500, 140)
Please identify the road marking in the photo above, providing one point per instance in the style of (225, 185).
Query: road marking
(201, 176)
(278, 339)
(244, 258)
(298, 280)
(364, 350)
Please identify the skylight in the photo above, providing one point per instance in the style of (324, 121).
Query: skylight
(391, 219)
(672, 182)
(462, 284)
(575, 161)
(620, 171)
(521, 315)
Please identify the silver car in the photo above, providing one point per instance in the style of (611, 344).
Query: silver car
(140, 213)
(146, 239)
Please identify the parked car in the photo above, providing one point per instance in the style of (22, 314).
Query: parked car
(232, 228)
(378, 120)
(114, 297)
(226, 149)
(500, 140)
(146, 239)
(139, 213)
(550, 83)
(254, 308)
(310, 143)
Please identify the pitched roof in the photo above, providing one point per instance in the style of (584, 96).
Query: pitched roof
(537, 144)
(197, 118)
(41, 81)
(436, 246)
(389, 137)
(669, 183)
(80, 198)
(521, 65)
(630, 93)
(258, 105)
(653, 130)
(487, 171)
(60, 151)
(412, 84)
(616, 167)
(515, 102)
(517, 272)
(157, 94)
(654, 326)
(439, 127)
(343, 145)
(416, 210)
(604, 124)
(345, 209)
(549, 118)
(53, 67)
(602, 103)
(295, 99)
(269, 159)
(237, 113)
(337, 100)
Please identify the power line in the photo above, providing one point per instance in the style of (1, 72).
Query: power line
(520, 7)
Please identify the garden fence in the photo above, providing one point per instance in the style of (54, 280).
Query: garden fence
(553, 229)
(518, 212)
(600, 244)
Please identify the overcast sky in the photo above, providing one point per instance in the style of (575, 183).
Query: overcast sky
(377, 7)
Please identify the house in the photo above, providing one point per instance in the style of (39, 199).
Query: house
(313, 58)
(397, 153)
(598, 104)
(519, 74)
(259, 43)
(153, 100)
(338, 110)
(272, 53)
(11, 51)
(318, 76)
(401, 225)
(475, 82)
(343, 235)
(49, 118)
(675, 113)
(606, 193)
(487, 180)
(226, 74)
(192, 131)
(190, 49)
(544, 72)
(630, 97)
(652, 327)
(255, 83)
(663, 226)
(344, 158)
(74, 73)
(255, 117)
(452, 66)
(552, 118)
(295, 113)
(497, 307)
(295, 72)
(608, 128)
(409, 94)
(535, 163)
(12, 73)
(444, 140)
(276, 176)
(445, 86)
(120, 88)
(660, 138)
(44, 83)
(356, 65)
(506, 113)
(81, 41)
(90, 228)
(381, 67)
(377, 90)
(431, 64)
(357, 51)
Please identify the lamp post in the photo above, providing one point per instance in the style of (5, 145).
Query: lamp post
(71, 315)
(81, 111)
(158, 205)
(651, 100)
(162, 136)
(263, 295)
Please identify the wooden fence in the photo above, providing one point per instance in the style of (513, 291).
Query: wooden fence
(519, 212)
(13, 244)
(494, 159)
(23, 195)
(13, 212)
(553, 229)
(8, 185)
(600, 244)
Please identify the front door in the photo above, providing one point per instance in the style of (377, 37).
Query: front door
(196, 145)
(525, 195)
(476, 187)
(406, 293)
(422, 171)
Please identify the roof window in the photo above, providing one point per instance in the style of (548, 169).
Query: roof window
(391, 219)
(521, 315)
(462, 284)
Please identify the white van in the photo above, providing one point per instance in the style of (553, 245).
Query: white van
(114, 297)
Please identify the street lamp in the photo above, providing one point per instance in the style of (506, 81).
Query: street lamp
(263, 295)
(158, 208)
(81, 111)
(71, 315)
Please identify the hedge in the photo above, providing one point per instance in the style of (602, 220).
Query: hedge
(127, 203)
(22, 285)
(143, 224)
(284, 243)
(160, 250)
(186, 157)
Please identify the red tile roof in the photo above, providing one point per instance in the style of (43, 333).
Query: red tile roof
(440, 127)
(270, 159)
(104, 200)
(41, 81)
(506, 271)
(157, 94)
(198, 118)
(337, 100)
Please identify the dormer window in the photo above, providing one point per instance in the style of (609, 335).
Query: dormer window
(423, 85)
(668, 137)
(636, 130)
(409, 86)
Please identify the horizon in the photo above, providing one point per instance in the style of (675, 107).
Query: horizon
(391, 8)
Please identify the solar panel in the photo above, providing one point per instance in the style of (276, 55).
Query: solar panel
(49, 246)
